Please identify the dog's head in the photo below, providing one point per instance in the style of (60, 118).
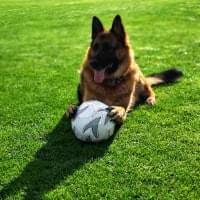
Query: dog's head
(108, 49)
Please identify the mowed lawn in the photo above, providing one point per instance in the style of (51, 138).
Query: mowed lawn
(155, 154)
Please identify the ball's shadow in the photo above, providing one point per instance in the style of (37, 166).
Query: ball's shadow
(59, 158)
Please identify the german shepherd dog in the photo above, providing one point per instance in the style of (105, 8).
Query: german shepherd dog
(110, 74)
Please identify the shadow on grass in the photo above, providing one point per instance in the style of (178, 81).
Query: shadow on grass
(59, 158)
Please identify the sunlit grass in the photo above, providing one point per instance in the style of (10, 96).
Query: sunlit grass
(155, 154)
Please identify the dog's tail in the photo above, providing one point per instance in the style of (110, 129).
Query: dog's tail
(167, 76)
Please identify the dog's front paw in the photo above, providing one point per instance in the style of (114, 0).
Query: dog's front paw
(151, 100)
(117, 114)
(71, 111)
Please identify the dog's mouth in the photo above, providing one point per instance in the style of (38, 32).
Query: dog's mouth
(102, 74)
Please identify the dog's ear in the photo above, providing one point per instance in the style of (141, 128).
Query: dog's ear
(97, 27)
(118, 28)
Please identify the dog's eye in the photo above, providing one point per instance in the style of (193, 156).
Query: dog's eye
(96, 46)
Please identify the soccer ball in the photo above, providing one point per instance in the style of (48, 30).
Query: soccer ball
(92, 123)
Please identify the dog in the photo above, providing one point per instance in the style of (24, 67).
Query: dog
(111, 75)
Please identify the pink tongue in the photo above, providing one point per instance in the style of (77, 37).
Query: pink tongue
(99, 75)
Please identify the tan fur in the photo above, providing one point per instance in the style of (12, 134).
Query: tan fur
(154, 80)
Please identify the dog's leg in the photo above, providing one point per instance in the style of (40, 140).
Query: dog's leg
(117, 113)
(126, 102)
(151, 99)
(145, 90)
(71, 111)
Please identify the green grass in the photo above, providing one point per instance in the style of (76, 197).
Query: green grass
(155, 154)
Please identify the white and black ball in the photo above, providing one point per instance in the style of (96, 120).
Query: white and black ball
(92, 123)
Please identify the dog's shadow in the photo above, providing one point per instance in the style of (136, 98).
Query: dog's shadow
(59, 158)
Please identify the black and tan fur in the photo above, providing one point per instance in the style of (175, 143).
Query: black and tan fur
(111, 75)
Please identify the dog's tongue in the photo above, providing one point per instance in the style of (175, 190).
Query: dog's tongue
(99, 75)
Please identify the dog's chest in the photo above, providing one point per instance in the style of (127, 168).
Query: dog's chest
(109, 95)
